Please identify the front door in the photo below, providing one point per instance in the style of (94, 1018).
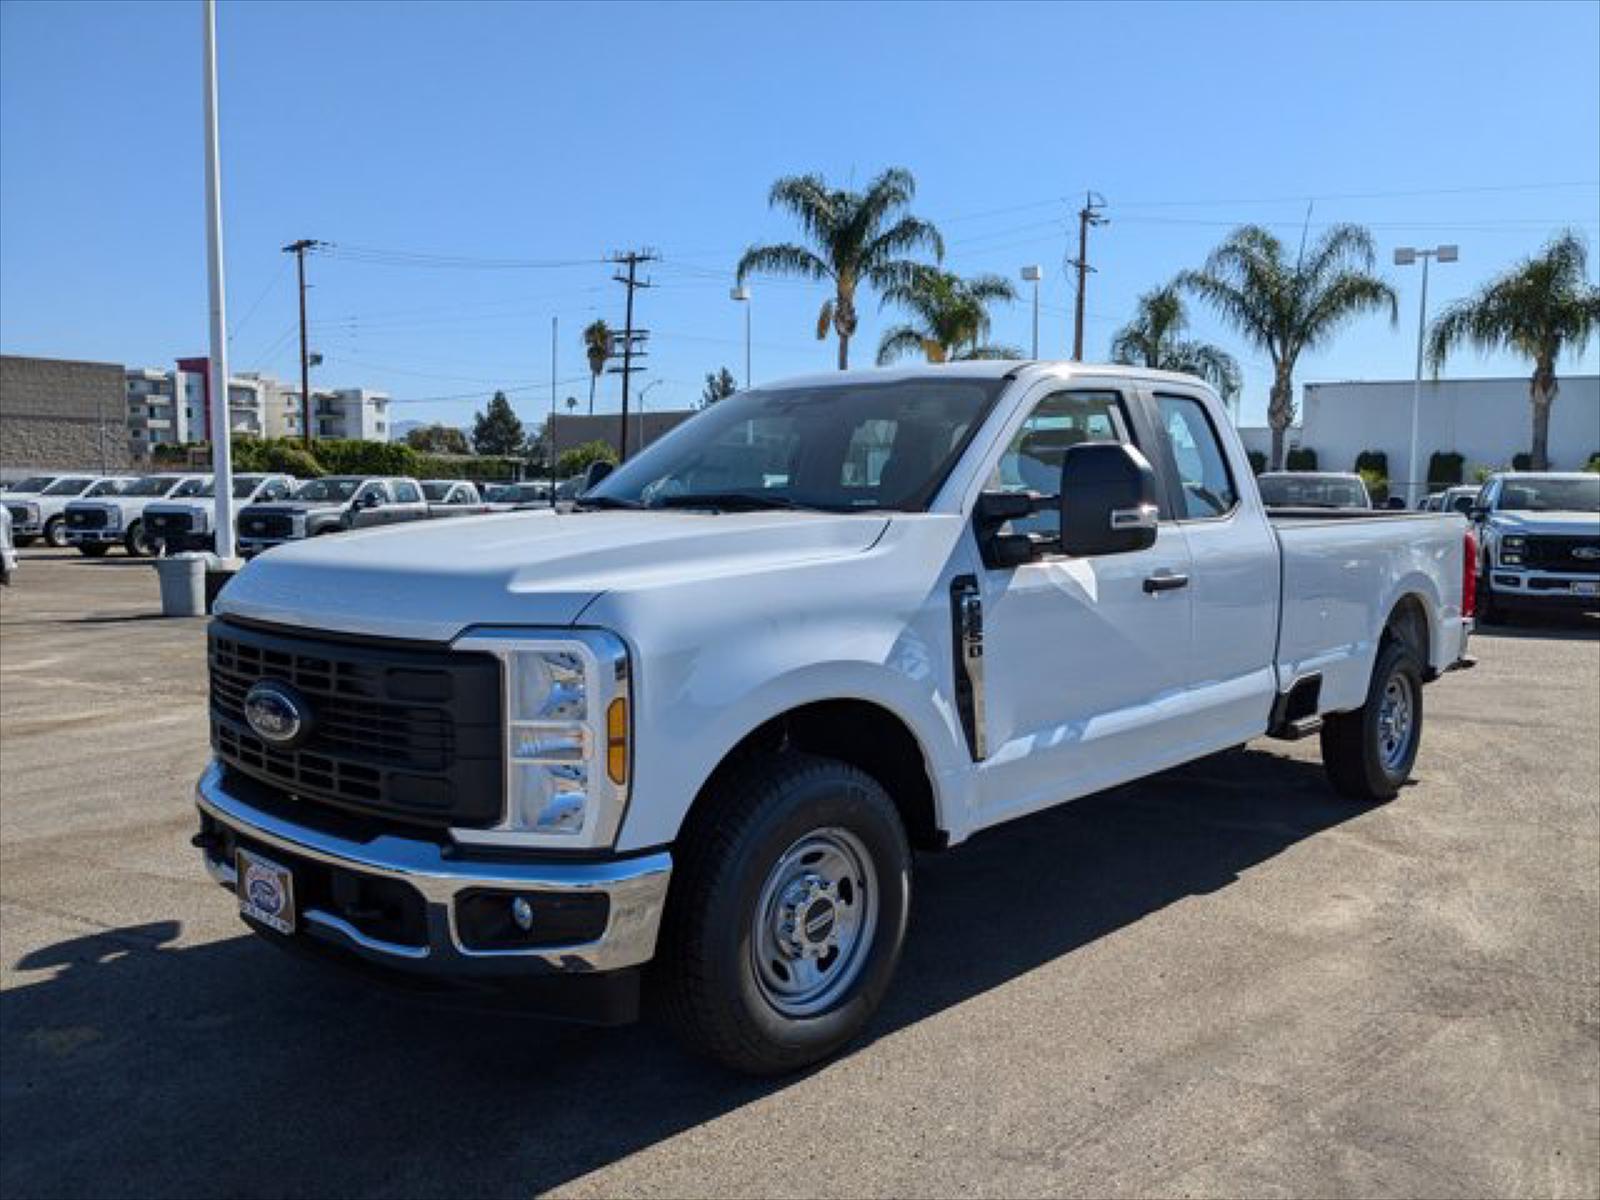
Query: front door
(1084, 661)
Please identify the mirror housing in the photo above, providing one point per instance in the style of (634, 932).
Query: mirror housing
(1109, 500)
(596, 472)
(1478, 513)
(371, 500)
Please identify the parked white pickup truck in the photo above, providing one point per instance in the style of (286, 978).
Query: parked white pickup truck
(95, 525)
(697, 725)
(43, 513)
(1540, 533)
(332, 504)
(177, 525)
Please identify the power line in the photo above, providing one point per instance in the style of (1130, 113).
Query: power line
(633, 283)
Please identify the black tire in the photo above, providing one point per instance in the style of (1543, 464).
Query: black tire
(55, 533)
(711, 989)
(135, 542)
(23, 541)
(93, 549)
(1486, 610)
(1354, 745)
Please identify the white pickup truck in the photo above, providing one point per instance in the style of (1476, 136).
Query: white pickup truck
(178, 525)
(95, 525)
(693, 729)
(1540, 534)
(42, 513)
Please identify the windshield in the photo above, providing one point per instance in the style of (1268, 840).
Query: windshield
(1312, 491)
(839, 447)
(107, 487)
(191, 487)
(1550, 495)
(243, 486)
(327, 489)
(37, 483)
(151, 485)
(67, 487)
(436, 491)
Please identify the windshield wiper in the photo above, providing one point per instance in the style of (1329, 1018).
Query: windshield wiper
(605, 502)
(730, 502)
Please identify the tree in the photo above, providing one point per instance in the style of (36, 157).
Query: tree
(1541, 309)
(719, 386)
(597, 348)
(1154, 338)
(438, 439)
(951, 316)
(576, 461)
(855, 238)
(1285, 306)
(497, 430)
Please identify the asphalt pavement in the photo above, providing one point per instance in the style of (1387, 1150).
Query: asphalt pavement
(1223, 981)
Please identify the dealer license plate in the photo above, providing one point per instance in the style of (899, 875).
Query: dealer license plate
(266, 891)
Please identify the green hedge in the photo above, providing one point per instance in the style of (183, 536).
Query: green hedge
(1377, 483)
(1444, 469)
(336, 456)
(1522, 461)
(1594, 463)
(1373, 460)
(1302, 458)
(1258, 461)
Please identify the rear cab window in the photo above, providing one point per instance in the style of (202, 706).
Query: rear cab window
(1204, 480)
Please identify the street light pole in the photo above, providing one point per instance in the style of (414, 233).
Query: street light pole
(742, 294)
(1405, 256)
(1034, 275)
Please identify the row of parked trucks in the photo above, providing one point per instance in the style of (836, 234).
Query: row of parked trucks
(153, 514)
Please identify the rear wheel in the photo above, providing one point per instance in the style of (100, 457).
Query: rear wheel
(1369, 753)
(1485, 609)
(787, 914)
(55, 533)
(93, 549)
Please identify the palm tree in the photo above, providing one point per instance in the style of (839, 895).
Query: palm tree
(1285, 307)
(1154, 339)
(855, 238)
(597, 347)
(1543, 307)
(951, 316)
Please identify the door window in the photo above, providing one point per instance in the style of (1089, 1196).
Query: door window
(406, 492)
(1203, 473)
(1032, 462)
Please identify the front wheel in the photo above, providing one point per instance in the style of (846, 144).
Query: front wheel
(787, 914)
(137, 543)
(1369, 753)
(55, 533)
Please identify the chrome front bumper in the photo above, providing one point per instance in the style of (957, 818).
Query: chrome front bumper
(77, 537)
(636, 889)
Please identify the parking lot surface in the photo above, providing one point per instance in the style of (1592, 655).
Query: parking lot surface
(1224, 981)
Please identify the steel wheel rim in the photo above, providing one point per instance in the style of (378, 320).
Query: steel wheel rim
(814, 922)
(1397, 722)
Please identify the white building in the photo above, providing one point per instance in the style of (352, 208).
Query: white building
(1486, 421)
(168, 407)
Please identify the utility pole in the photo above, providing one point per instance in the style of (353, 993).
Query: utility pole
(632, 282)
(298, 249)
(550, 430)
(1088, 215)
(221, 449)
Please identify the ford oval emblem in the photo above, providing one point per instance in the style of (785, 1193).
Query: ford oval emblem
(277, 713)
(1589, 553)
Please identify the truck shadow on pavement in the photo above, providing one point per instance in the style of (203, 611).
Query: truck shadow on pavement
(133, 1066)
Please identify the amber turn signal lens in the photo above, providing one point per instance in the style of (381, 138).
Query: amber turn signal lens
(617, 740)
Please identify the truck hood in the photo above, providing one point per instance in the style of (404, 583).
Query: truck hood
(292, 507)
(1576, 523)
(431, 580)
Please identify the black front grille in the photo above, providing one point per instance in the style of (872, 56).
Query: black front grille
(86, 518)
(169, 524)
(1569, 555)
(20, 513)
(266, 525)
(403, 732)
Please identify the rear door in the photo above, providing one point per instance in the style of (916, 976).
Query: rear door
(1235, 581)
(1081, 662)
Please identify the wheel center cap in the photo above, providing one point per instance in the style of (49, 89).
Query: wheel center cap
(818, 921)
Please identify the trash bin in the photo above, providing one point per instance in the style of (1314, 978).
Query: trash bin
(183, 584)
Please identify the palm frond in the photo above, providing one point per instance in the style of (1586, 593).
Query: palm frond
(784, 258)
(906, 236)
(897, 342)
(825, 320)
(988, 352)
(807, 199)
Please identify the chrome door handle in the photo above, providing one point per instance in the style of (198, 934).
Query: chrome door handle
(1165, 582)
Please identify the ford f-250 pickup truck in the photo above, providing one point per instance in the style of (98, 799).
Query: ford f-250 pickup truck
(692, 730)
(42, 513)
(94, 526)
(177, 525)
(1540, 533)
(332, 504)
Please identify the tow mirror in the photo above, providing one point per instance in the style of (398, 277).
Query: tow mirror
(1109, 502)
(371, 500)
(596, 472)
(1477, 513)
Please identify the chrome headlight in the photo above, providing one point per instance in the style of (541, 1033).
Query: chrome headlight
(567, 745)
(1512, 547)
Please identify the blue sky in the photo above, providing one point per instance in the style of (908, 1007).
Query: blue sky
(561, 132)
